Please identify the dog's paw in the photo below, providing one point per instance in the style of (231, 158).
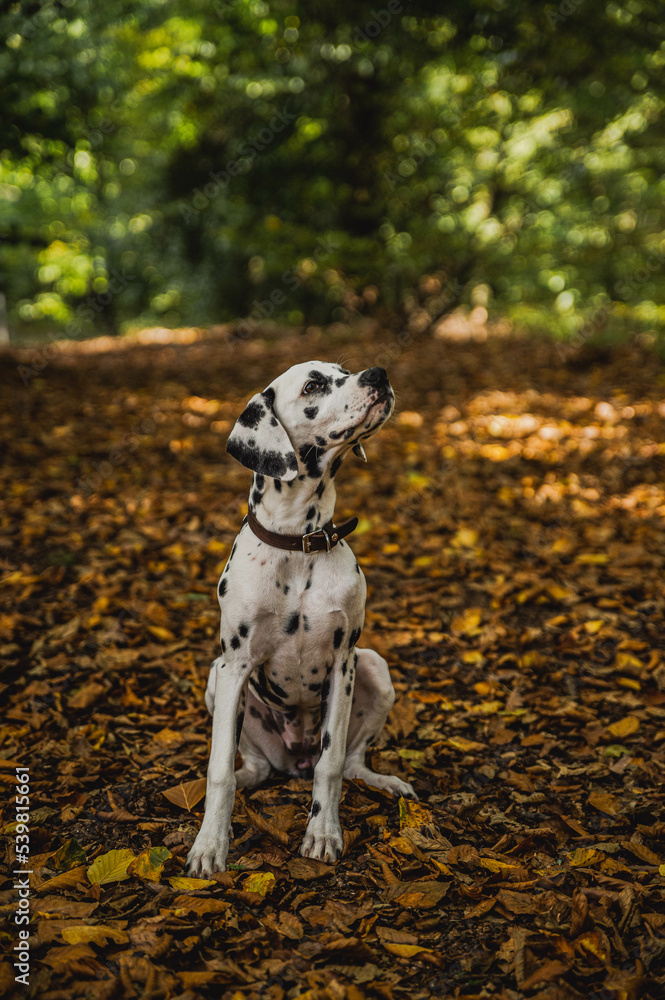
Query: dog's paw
(208, 855)
(385, 782)
(323, 847)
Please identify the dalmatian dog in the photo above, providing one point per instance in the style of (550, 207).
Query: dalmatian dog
(291, 690)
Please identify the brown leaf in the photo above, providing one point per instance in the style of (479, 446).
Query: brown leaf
(416, 895)
(187, 794)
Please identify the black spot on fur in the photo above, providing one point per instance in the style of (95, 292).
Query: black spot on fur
(221, 587)
(320, 488)
(337, 638)
(357, 568)
(344, 668)
(270, 463)
(310, 513)
(353, 638)
(269, 396)
(309, 456)
(311, 411)
(315, 687)
(254, 712)
(325, 742)
(235, 642)
(334, 468)
(223, 646)
(286, 588)
(308, 584)
(292, 624)
(239, 721)
(305, 623)
(257, 497)
(278, 485)
(316, 808)
(277, 584)
(321, 441)
(251, 416)
(244, 630)
(348, 688)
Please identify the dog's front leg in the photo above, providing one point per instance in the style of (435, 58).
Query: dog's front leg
(208, 853)
(323, 836)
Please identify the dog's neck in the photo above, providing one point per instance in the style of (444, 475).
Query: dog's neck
(293, 508)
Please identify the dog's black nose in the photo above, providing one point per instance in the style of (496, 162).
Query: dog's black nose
(375, 377)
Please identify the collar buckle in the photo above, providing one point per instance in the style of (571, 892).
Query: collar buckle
(307, 545)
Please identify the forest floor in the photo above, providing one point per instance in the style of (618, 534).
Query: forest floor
(512, 534)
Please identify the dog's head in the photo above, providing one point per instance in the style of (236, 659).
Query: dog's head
(309, 416)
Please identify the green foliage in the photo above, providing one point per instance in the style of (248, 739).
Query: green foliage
(188, 162)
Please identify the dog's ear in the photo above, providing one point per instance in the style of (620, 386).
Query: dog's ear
(359, 451)
(260, 443)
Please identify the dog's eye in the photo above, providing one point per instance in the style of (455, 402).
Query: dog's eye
(311, 386)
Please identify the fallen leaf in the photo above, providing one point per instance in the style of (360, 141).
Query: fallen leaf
(110, 867)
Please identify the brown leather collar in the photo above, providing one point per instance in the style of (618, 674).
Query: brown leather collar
(322, 540)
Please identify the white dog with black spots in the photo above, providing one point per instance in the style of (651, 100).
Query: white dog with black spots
(291, 690)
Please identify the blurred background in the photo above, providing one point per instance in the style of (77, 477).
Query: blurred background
(193, 162)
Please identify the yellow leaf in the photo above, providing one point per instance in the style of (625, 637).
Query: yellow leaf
(364, 525)
(165, 634)
(594, 626)
(97, 933)
(486, 708)
(562, 545)
(150, 863)
(629, 682)
(459, 743)
(465, 538)
(468, 622)
(628, 662)
(187, 794)
(494, 865)
(410, 418)
(592, 558)
(216, 547)
(603, 802)
(624, 727)
(560, 593)
(482, 687)
(595, 942)
(390, 549)
(416, 758)
(183, 884)
(403, 950)
(110, 867)
(412, 814)
(260, 882)
(583, 857)
(422, 561)
(661, 870)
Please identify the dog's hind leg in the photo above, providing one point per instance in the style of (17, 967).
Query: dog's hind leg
(255, 766)
(373, 697)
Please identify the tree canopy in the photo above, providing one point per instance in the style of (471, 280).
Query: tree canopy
(188, 162)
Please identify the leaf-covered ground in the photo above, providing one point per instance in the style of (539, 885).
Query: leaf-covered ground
(512, 535)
